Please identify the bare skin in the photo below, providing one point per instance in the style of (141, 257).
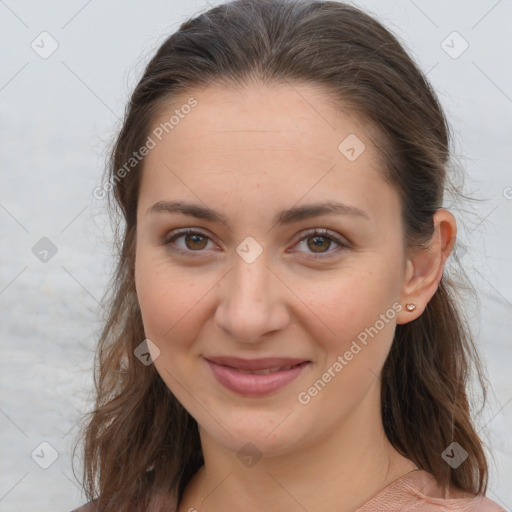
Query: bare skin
(248, 155)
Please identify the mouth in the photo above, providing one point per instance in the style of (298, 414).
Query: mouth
(263, 363)
(266, 370)
(255, 377)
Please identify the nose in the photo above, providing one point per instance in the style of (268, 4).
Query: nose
(252, 301)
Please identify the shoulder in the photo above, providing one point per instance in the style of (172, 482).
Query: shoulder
(484, 504)
(470, 504)
(458, 500)
(420, 492)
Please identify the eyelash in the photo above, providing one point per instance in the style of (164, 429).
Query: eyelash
(323, 233)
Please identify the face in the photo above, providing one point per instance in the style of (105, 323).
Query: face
(250, 269)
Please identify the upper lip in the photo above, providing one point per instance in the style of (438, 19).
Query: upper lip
(255, 364)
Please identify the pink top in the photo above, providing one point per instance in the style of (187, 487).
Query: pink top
(415, 491)
(418, 491)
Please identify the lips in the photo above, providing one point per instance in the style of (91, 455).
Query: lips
(262, 365)
(267, 370)
(256, 377)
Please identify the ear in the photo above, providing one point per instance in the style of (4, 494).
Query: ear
(424, 267)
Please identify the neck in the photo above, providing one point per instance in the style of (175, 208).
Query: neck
(341, 471)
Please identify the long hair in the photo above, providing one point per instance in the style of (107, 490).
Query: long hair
(139, 441)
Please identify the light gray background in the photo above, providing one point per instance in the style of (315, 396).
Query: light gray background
(57, 116)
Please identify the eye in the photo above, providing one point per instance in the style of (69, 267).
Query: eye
(194, 241)
(315, 240)
(319, 239)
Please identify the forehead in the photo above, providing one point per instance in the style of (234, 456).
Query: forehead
(284, 141)
(280, 117)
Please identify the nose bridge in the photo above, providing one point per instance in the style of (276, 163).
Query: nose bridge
(250, 279)
(249, 305)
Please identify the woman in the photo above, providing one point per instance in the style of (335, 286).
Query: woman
(282, 332)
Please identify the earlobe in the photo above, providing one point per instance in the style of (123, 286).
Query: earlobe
(424, 267)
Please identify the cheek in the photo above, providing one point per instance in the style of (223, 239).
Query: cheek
(161, 297)
(343, 308)
(168, 319)
(171, 304)
(360, 312)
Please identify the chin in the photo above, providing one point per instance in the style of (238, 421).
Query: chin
(262, 437)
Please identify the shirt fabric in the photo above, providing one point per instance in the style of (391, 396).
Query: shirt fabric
(416, 491)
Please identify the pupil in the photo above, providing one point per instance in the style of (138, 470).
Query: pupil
(318, 241)
(196, 238)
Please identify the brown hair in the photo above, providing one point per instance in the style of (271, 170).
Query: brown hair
(139, 440)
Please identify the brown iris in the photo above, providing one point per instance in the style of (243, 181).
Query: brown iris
(313, 246)
(195, 237)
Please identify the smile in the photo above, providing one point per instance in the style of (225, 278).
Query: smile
(256, 382)
(266, 371)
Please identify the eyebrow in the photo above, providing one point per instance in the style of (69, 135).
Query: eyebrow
(289, 216)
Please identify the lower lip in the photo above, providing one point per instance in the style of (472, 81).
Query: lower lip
(253, 384)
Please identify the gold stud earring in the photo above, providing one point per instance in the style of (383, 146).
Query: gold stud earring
(410, 307)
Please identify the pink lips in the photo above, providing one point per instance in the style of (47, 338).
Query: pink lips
(277, 372)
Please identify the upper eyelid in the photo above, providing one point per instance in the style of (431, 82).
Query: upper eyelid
(185, 231)
(342, 241)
